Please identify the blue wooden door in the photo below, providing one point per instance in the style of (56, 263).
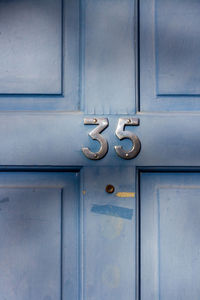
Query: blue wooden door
(120, 227)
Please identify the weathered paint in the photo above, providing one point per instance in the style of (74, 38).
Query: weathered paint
(108, 232)
(38, 234)
(92, 67)
(170, 222)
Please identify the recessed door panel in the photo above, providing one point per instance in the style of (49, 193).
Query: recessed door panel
(38, 216)
(30, 57)
(31, 243)
(39, 55)
(169, 55)
(177, 47)
(170, 214)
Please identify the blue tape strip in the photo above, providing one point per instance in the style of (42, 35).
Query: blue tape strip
(112, 210)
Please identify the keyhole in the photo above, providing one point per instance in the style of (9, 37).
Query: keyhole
(110, 189)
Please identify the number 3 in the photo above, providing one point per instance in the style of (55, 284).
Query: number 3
(95, 135)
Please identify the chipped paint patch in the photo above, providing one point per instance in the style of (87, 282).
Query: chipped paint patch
(112, 210)
(125, 195)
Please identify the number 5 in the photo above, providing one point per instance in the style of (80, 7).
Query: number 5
(121, 134)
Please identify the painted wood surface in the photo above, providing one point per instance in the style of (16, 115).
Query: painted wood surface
(169, 55)
(62, 61)
(39, 55)
(39, 235)
(169, 235)
(108, 230)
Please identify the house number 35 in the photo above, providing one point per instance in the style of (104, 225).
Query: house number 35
(120, 132)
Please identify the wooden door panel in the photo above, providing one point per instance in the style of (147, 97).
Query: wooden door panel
(30, 47)
(31, 244)
(169, 55)
(39, 55)
(38, 227)
(170, 235)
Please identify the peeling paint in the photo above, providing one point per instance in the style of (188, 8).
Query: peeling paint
(125, 195)
(112, 210)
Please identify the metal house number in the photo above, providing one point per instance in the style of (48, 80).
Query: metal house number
(103, 123)
(95, 135)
